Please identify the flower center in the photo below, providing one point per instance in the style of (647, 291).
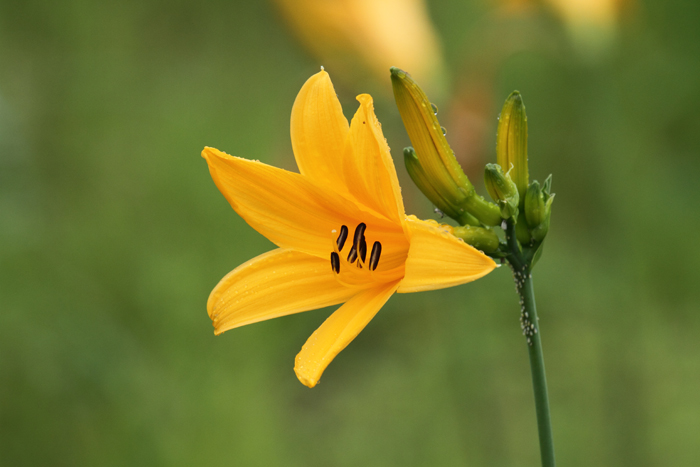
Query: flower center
(357, 256)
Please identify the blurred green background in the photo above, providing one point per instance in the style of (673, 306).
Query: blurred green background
(112, 235)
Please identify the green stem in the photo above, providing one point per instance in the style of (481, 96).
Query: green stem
(539, 380)
(531, 328)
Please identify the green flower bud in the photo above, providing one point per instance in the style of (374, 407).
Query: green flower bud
(538, 208)
(534, 205)
(419, 177)
(539, 232)
(502, 190)
(481, 238)
(434, 154)
(522, 233)
(511, 142)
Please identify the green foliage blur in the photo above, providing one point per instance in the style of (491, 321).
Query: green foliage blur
(112, 235)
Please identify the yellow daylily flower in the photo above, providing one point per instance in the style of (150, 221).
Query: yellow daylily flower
(340, 226)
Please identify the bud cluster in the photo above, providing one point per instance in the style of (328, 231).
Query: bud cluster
(431, 163)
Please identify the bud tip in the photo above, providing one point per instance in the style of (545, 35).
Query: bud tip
(397, 72)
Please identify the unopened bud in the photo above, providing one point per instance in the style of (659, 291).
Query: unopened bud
(539, 232)
(538, 208)
(522, 233)
(434, 154)
(534, 205)
(502, 190)
(511, 142)
(481, 238)
(419, 177)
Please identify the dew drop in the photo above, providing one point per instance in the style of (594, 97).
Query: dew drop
(444, 131)
(435, 109)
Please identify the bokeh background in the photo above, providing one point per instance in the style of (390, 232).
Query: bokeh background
(112, 235)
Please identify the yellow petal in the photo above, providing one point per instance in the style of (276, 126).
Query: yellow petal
(369, 169)
(437, 259)
(288, 208)
(338, 331)
(319, 130)
(276, 283)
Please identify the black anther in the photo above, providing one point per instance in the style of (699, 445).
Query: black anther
(342, 237)
(352, 256)
(374, 256)
(359, 234)
(335, 262)
(362, 250)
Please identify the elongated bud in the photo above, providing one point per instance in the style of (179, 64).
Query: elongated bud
(434, 154)
(481, 238)
(502, 190)
(511, 142)
(419, 177)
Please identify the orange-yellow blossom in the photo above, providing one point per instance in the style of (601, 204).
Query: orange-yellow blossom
(340, 226)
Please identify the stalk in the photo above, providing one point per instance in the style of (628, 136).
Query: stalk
(531, 329)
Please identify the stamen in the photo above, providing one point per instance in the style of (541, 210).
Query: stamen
(342, 237)
(365, 273)
(359, 234)
(374, 256)
(335, 262)
(352, 256)
(362, 250)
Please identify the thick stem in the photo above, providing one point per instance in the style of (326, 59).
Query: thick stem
(531, 329)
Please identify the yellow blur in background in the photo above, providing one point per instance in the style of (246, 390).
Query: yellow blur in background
(371, 34)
